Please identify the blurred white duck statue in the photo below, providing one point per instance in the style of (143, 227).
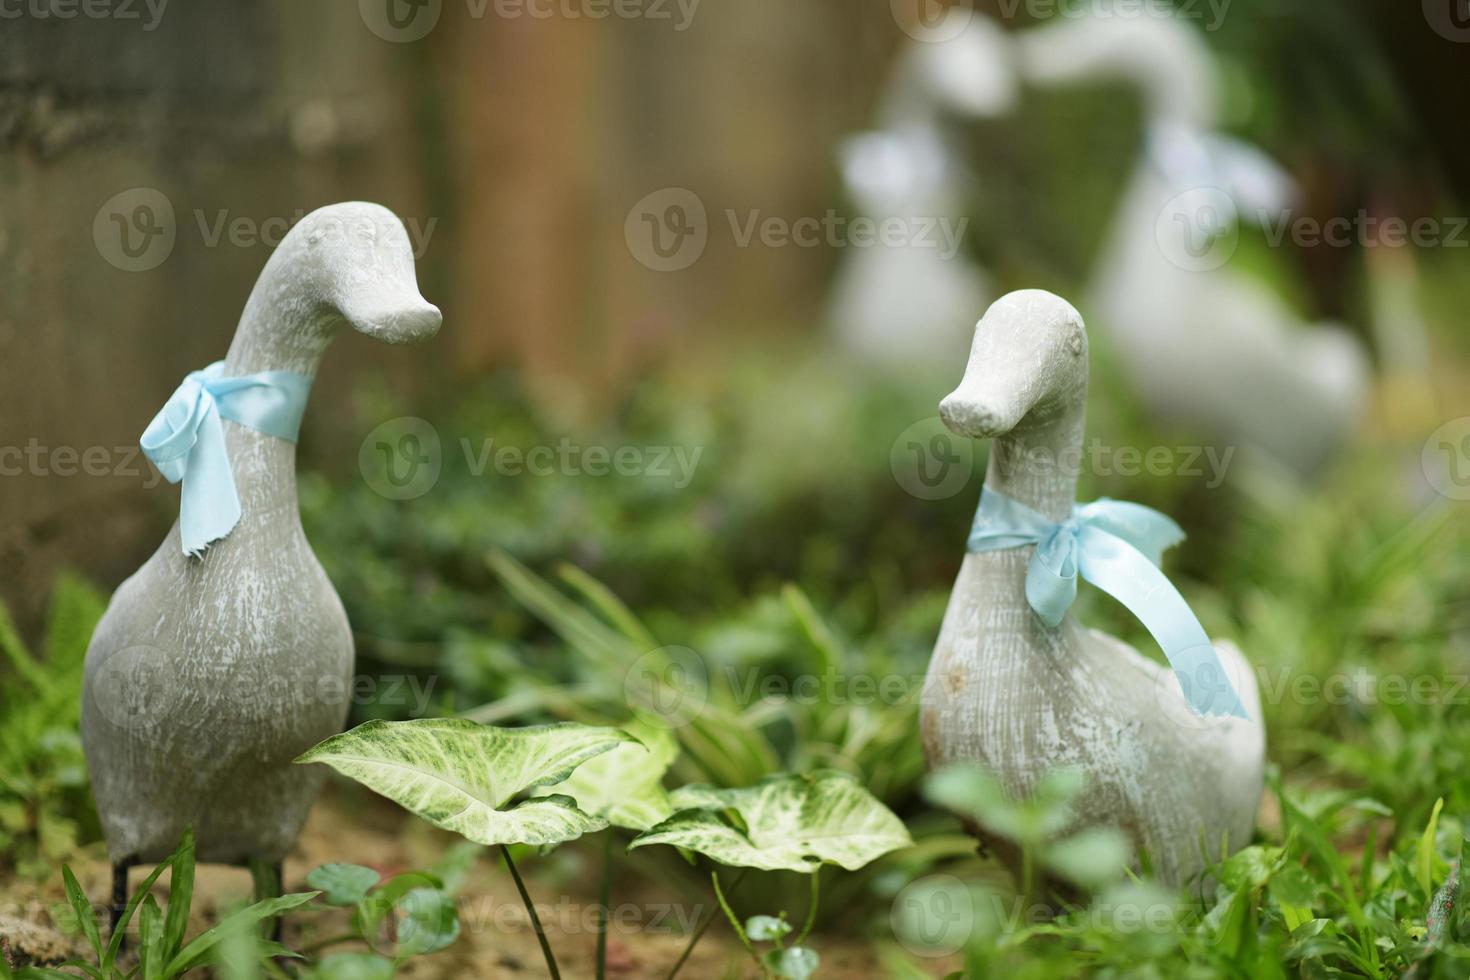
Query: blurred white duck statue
(905, 302)
(1202, 343)
(228, 653)
(1016, 685)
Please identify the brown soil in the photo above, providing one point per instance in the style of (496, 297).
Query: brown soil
(646, 936)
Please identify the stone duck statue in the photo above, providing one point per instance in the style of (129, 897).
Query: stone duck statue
(1202, 341)
(229, 653)
(902, 305)
(1017, 686)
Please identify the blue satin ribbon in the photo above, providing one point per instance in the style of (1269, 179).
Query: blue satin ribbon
(1117, 546)
(186, 441)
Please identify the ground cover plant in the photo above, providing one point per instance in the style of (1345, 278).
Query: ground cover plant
(1351, 598)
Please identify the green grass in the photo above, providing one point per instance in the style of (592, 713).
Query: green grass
(794, 553)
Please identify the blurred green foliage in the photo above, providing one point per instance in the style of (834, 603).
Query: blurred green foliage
(45, 802)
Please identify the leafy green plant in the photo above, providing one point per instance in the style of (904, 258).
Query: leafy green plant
(1090, 858)
(410, 914)
(460, 776)
(45, 805)
(788, 822)
(162, 951)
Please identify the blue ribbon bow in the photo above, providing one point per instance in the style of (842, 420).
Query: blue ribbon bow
(1117, 546)
(186, 441)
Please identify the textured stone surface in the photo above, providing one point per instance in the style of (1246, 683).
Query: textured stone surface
(1007, 692)
(207, 676)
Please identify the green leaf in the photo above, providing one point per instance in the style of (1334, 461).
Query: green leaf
(796, 963)
(1092, 857)
(83, 909)
(114, 944)
(151, 953)
(429, 923)
(353, 966)
(180, 895)
(198, 950)
(766, 928)
(1424, 867)
(459, 775)
(785, 821)
(343, 884)
(625, 786)
(1295, 893)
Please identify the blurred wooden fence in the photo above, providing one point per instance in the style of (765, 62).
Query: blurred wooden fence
(514, 145)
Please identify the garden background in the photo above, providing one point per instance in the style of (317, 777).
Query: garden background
(770, 522)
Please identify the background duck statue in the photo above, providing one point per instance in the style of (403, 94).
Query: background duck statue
(1007, 691)
(903, 304)
(229, 653)
(1203, 343)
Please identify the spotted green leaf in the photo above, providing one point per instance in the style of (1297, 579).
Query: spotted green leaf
(625, 786)
(789, 822)
(459, 775)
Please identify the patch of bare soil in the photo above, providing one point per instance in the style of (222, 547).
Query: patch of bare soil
(648, 930)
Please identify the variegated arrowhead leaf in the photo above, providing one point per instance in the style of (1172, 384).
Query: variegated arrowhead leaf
(458, 775)
(625, 786)
(784, 822)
